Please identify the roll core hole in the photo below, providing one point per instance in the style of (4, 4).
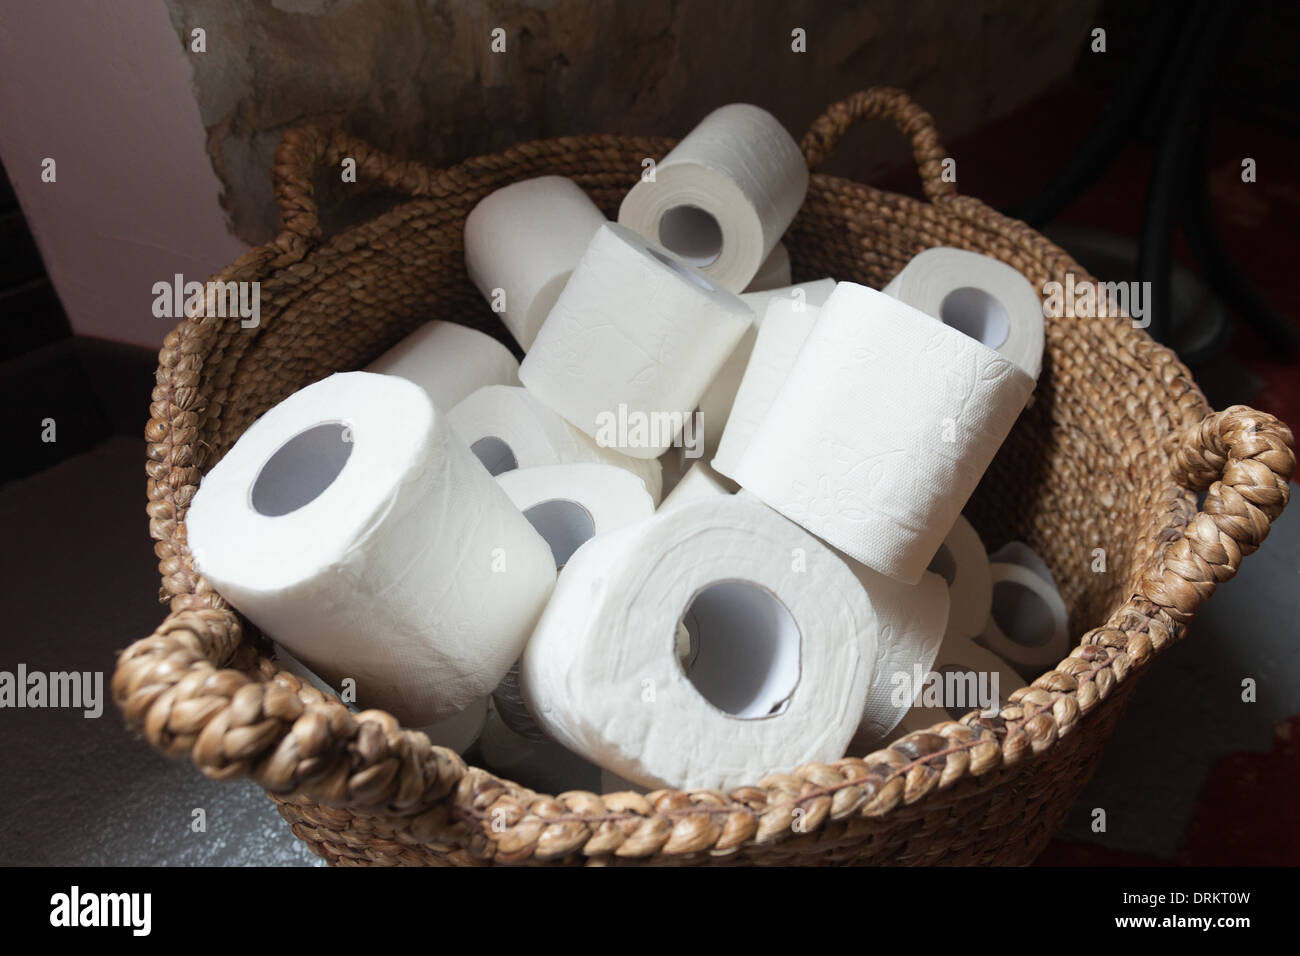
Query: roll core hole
(566, 526)
(692, 233)
(745, 648)
(975, 313)
(944, 565)
(496, 455)
(1021, 614)
(300, 471)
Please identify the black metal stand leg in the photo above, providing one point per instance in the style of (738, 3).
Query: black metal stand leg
(1122, 115)
(1189, 67)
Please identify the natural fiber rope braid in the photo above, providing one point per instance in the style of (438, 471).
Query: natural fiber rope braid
(671, 822)
(360, 789)
(883, 103)
(1243, 460)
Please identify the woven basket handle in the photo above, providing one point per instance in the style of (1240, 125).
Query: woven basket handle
(883, 102)
(1243, 460)
(194, 689)
(305, 148)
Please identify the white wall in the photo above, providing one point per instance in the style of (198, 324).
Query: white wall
(104, 89)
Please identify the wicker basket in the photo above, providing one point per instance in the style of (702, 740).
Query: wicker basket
(1111, 455)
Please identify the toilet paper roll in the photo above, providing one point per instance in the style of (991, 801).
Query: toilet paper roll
(545, 767)
(350, 523)
(448, 361)
(674, 465)
(786, 324)
(774, 273)
(720, 396)
(962, 562)
(786, 648)
(634, 340)
(1029, 626)
(510, 428)
(964, 681)
(568, 505)
(571, 503)
(700, 481)
(882, 430)
(813, 293)
(719, 399)
(1017, 552)
(724, 196)
(457, 732)
(460, 731)
(508, 702)
(980, 296)
(524, 240)
(911, 620)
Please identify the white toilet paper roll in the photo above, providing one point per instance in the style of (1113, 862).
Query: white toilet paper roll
(912, 621)
(351, 524)
(814, 293)
(718, 398)
(785, 326)
(786, 648)
(912, 618)
(724, 196)
(700, 481)
(571, 503)
(774, 273)
(460, 731)
(675, 463)
(634, 340)
(508, 702)
(882, 430)
(980, 296)
(457, 732)
(542, 766)
(510, 428)
(965, 676)
(962, 562)
(448, 361)
(1017, 552)
(1028, 626)
(524, 240)
(568, 505)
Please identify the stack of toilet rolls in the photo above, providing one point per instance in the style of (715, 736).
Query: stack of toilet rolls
(707, 529)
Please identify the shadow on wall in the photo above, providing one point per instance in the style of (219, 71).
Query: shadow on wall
(422, 79)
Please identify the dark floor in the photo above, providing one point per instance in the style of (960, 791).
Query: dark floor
(82, 791)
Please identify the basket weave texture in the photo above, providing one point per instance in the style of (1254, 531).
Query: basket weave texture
(1111, 454)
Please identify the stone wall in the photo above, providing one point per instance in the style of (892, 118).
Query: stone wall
(421, 79)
